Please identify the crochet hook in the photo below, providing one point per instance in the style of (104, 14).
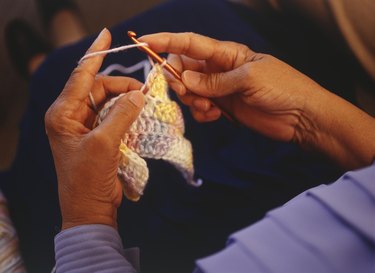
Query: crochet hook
(171, 69)
(155, 56)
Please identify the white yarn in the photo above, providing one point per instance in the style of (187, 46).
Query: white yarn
(93, 104)
(113, 50)
(145, 65)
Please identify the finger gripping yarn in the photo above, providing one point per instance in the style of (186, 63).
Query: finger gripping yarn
(157, 133)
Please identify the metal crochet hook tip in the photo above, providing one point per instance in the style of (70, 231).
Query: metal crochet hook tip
(155, 56)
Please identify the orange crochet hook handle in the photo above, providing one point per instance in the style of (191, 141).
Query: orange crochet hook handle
(132, 35)
(155, 56)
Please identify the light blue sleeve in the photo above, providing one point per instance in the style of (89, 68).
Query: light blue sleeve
(93, 248)
(325, 229)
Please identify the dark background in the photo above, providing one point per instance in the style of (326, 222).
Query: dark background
(96, 14)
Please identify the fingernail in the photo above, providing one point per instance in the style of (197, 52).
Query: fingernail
(213, 113)
(104, 30)
(180, 89)
(136, 98)
(201, 104)
(190, 77)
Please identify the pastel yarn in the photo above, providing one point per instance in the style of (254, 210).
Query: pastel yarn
(158, 133)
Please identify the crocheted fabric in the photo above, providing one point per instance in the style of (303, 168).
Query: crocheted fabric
(157, 133)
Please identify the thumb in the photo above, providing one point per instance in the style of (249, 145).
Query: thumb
(122, 114)
(215, 84)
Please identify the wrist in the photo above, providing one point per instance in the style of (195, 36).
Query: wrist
(86, 214)
(320, 124)
(337, 128)
(308, 130)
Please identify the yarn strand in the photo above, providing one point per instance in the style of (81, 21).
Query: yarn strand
(112, 50)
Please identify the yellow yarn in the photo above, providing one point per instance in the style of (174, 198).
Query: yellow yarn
(157, 133)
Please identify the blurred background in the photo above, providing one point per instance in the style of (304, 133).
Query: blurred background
(95, 14)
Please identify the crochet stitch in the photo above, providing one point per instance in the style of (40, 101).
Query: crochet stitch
(157, 133)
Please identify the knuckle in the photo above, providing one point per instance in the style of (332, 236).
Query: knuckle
(190, 34)
(186, 99)
(245, 76)
(100, 78)
(189, 39)
(76, 73)
(99, 82)
(55, 118)
(236, 54)
(48, 120)
(243, 49)
(259, 56)
(246, 70)
(51, 117)
(212, 82)
(244, 53)
(80, 72)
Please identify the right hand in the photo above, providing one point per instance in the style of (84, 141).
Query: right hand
(258, 90)
(266, 95)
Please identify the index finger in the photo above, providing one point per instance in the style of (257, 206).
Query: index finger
(83, 76)
(197, 46)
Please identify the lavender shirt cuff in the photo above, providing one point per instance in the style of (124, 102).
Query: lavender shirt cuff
(93, 248)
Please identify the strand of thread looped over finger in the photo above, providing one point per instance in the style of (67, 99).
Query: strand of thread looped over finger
(112, 50)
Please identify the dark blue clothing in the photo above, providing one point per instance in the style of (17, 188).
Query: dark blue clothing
(244, 174)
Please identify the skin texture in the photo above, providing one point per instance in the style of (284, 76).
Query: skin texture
(86, 159)
(259, 90)
(266, 95)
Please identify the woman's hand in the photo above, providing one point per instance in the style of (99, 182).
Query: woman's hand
(259, 90)
(86, 158)
(266, 95)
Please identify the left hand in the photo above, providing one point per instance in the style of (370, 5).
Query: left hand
(86, 158)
